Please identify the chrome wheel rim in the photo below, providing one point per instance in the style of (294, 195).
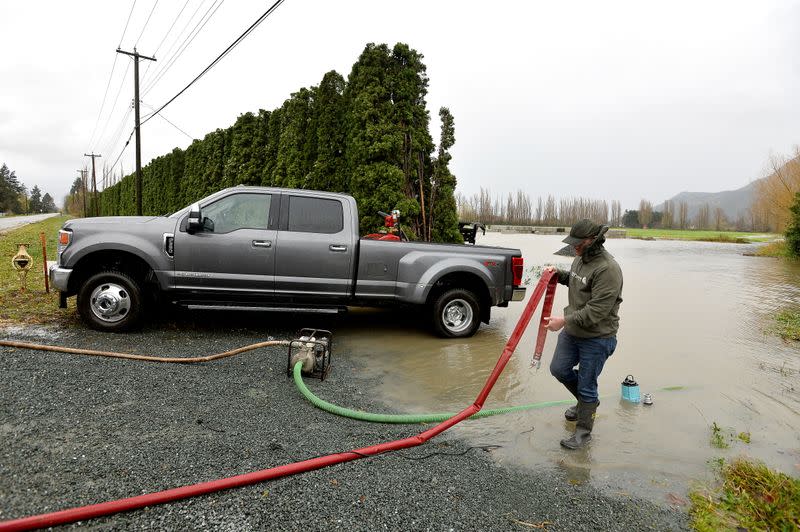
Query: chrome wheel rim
(110, 302)
(457, 315)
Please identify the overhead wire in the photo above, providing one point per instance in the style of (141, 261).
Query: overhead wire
(127, 142)
(114, 105)
(167, 55)
(110, 77)
(155, 52)
(111, 146)
(146, 22)
(126, 24)
(225, 52)
(185, 45)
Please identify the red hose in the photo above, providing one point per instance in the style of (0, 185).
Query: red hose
(546, 284)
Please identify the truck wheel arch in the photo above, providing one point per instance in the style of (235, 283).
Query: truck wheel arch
(467, 281)
(105, 260)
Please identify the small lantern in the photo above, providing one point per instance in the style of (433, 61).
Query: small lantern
(22, 263)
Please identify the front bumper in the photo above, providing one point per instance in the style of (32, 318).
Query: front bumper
(518, 294)
(59, 277)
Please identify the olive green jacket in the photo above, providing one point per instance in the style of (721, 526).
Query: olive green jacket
(595, 292)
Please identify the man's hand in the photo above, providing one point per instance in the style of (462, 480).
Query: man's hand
(554, 323)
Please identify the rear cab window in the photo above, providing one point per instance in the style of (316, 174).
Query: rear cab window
(314, 215)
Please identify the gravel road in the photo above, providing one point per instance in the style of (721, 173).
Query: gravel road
(79, 430)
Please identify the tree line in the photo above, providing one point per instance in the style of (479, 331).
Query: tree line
(367, 135)
(15, 198)
(519, 209)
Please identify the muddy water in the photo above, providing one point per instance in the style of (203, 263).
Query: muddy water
(694, 315)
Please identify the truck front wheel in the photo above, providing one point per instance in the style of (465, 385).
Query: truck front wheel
(456, 313)
(110, 301)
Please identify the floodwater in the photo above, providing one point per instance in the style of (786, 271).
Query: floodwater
(694, 314)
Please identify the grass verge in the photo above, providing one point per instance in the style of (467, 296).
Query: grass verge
(704, 236)
(34, 305)
(750, 496)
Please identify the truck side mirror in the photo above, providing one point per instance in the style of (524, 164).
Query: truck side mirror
(195, 221)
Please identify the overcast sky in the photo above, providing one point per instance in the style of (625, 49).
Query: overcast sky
(608, 100)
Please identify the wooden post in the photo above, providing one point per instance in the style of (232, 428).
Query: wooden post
(44, 262)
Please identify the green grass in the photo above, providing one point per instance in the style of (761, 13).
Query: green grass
(705, 236)
(777, 248)
(750, 496)
(33, 305)
(788, 324)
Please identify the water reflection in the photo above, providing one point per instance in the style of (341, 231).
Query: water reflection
(693, 314)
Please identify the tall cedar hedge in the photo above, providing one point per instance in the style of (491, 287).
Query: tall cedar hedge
(367, 136)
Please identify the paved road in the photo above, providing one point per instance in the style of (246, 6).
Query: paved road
(11, 222)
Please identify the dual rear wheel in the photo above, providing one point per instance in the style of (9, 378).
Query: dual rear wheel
(456, 313)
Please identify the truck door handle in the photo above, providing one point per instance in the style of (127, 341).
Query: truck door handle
(337, 247)
(262, 243)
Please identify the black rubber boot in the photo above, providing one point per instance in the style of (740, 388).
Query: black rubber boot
(572, 412)
(583, 426)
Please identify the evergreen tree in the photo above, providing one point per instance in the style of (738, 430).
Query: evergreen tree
(274, 127)
(10, 189)
(35, 202)
(328, 171)
(48, 205)
(444, 212)
(296, 146)
(241, 166)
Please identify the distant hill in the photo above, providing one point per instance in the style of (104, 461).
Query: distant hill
(732, 202)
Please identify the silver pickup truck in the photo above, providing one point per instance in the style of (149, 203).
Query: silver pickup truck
(258, 248)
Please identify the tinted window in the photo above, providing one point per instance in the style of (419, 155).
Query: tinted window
(315, 215)
(238, 211)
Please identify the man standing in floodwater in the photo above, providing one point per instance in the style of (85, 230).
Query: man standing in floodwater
(590, 324)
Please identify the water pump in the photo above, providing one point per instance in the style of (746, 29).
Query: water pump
(313, 348)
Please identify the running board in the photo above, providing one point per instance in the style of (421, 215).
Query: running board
(197, 306)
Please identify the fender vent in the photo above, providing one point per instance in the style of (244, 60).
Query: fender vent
(169, 244)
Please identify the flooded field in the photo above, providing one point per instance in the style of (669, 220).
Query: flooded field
(694, 315)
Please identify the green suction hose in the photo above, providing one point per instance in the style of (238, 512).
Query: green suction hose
(416, 418)
(403, 418)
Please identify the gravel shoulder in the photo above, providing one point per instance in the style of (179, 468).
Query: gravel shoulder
(79, 430)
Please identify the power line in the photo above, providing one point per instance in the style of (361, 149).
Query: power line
(111, 146)
(105, 96)
(185, 44)
(126, 25)
(172, 46)
(123, 148)
(113, 105)
(165, 36)
(145, 24)
(111, 76)
(227, 50)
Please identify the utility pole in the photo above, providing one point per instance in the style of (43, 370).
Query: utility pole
(83, 186)
(94, 182)
(136, 56)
